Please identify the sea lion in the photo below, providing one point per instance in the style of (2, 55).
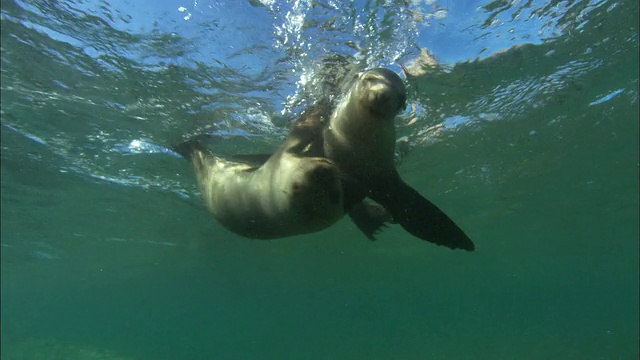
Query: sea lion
(360, 140)
(289, 194)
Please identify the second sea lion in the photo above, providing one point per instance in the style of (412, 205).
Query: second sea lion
(289, 194)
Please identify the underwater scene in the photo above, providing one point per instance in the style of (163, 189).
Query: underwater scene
(519, 121)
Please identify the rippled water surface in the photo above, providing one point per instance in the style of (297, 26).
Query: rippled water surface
(522, 126)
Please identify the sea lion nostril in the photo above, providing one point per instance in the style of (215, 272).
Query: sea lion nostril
(334, 195)
(296, 186)
(403, 102)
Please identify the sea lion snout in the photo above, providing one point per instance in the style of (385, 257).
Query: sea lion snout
(322, 179)
(323, 173)
(320, 195)
(328, 177)
(382, 91)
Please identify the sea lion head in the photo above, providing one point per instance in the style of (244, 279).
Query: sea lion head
(317, 196)
(379, 92)
(360, 137)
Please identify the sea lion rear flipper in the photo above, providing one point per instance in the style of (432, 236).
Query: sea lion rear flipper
(188, 147)
(370, 218)
(419, 216)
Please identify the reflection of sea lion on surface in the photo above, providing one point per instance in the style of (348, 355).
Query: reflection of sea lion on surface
(289, 194)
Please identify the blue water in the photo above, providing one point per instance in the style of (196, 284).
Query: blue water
(524, 130)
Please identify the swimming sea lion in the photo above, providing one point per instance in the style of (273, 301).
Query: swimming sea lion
(360, 140)
(289, 194)
(369, 217)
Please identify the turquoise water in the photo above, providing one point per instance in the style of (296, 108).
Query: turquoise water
(525, 133)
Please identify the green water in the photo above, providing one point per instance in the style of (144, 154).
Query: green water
(102, 257)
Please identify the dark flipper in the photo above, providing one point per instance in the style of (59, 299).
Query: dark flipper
(252, 159)
(370, 218)
(196, 143)
(418, 215)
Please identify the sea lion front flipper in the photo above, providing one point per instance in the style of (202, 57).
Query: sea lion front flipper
(370, 218)
(419, 216)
